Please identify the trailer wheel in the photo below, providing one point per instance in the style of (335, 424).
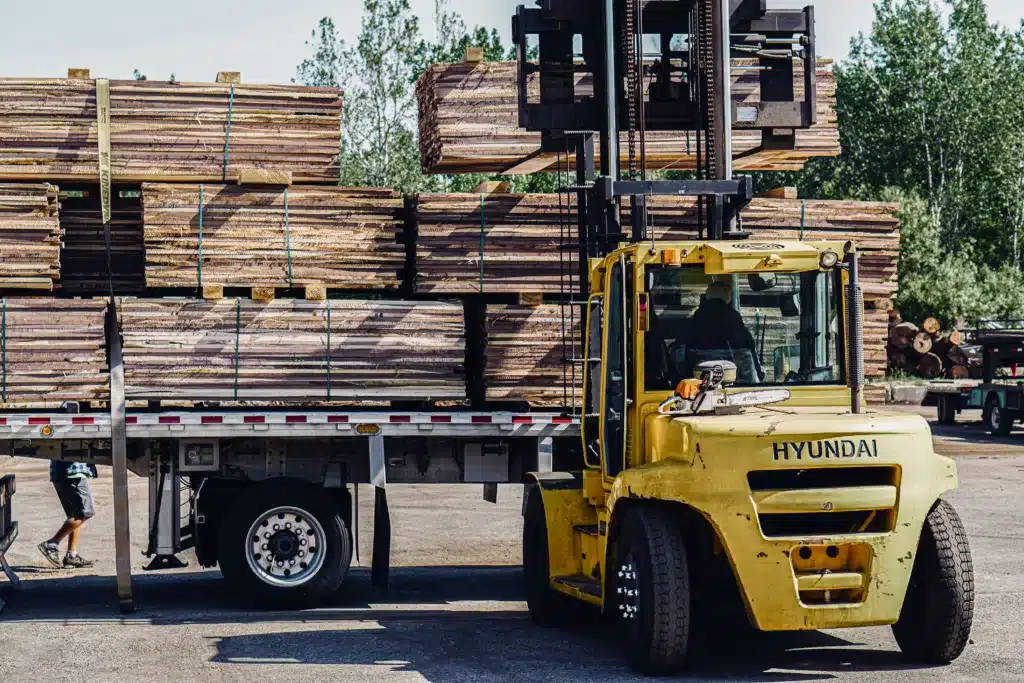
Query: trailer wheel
(284, 544)
(998, 420)
(947, 410)
(548, 607)
(652, 588)
(935, 623)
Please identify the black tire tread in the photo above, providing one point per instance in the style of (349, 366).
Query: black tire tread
(665, 653)
(1005, 425)
(943, 636)
(548, 608)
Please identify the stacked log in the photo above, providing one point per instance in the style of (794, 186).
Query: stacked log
(29, 236)
(927, 350)
(526, 358)
(469, 123)
(53, 350)
(191, 132)
(343, 238)
(84, 255)
(242, 350)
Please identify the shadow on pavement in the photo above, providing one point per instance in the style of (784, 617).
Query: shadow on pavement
(450, 624)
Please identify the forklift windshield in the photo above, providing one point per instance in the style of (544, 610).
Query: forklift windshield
(778, 328)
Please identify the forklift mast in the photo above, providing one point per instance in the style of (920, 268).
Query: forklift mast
(662, 65)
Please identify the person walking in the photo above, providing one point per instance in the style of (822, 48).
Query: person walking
(71, 480)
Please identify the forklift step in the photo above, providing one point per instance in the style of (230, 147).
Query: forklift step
(592, 529)
(582, 584)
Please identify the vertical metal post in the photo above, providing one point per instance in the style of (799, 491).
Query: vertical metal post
(119, 456)
(855, 325)
(722, 125)
(610, 134)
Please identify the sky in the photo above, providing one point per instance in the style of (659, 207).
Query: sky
(264, 39)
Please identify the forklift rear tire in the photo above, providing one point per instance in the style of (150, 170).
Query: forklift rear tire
(935, 623)
(947, 410)
(284, 544)
(548, 607)
(998, 420)
(652, 589)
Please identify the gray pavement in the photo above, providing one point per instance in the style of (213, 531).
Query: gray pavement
(463, 620)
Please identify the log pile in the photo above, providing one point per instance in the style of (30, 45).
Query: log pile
(469, 123)
(84, 257)
(241, 350)
(928, 351)
(525, 356)
(191, 132)
(29, 236)
(343, 238)
(53, 350)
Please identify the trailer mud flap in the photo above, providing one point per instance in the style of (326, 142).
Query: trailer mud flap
(8, 528)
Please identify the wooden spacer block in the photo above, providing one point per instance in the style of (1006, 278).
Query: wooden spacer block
(264, 176)
(263, 294)
(316, 292)
(492, 187)
(229, 77)
(531, 299)
(474, 55)
(780, 193)
(79, 73)
(213, 291)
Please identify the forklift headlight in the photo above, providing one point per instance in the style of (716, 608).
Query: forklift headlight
(829, 259)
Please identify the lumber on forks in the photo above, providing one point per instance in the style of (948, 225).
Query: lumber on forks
(202, 132)
(283, 350)
(29, 236)
(469, 123)
(342, 238)
(53, 350)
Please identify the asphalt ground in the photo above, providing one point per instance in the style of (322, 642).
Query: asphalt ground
(454, 611)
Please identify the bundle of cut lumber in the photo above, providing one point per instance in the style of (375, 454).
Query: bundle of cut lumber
(53, 350)
(345, 238)
(526, 354)
(202, 132)
(29, 236)
(84, 256)
(495, 244)
(928, 351)
(286, 350)
(469, 123)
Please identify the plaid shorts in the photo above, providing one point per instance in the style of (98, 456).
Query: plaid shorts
(75, 497)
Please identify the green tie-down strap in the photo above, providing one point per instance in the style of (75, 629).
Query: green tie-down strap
(483, 227)
(328, 349)
(227, 135)
(803, 212)
(287, 238)
(199, 255)
(3, 347)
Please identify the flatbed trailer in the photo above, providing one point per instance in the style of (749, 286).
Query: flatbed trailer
(279, 483)
(999, 394)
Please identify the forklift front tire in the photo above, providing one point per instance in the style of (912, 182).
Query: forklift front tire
(652, 589)
(935, 623)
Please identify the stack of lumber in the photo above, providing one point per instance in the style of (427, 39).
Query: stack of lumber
(343, 238)
(84, 257)
(499, 243)
(237, 349)
(199, 132)
(928, 351)
(29, 236)
(525, 355)
(469, 123)
(53, 351)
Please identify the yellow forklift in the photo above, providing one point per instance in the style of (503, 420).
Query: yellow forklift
(723, 471)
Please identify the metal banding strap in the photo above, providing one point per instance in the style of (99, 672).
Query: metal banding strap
(328, 349)
(199, 258)
(287, 238)
(238, 326)
(483, 224)
(227, 135)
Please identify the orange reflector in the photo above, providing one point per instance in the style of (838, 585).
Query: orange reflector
(670, 257)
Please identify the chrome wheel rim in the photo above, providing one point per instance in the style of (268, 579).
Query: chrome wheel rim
(286, 546)
(994, 417)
